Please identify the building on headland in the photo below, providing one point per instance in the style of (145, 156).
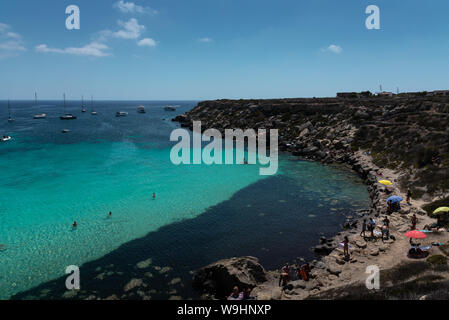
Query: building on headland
(441, 93)
(367, 94)
(385, 94)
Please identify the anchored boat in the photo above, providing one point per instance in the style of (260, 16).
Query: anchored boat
(38, 116)
(121, 114)
(67, 116)
(170, 108)
(10, 119)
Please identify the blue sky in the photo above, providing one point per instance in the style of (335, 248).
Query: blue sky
(211, 49)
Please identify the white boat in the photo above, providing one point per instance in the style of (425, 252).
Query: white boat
(65, 131)
(5, 138)
(141, 109)
(67, 116)
(170, 108)
(10, 119)
(38, 116)
(121, 114)
(94, 113)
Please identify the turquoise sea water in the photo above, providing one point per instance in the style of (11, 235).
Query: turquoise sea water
(48, 180)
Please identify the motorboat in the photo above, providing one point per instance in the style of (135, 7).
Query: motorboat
(170, 108)
(5, 138)
(141, 109)
(68, 116)
(40, 116)
(65, 131)
(121, 114)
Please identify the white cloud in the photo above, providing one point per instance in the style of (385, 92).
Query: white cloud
(334, 48)
(205, 39)
(131, 7)
(131, 29)
(11, 43)
(147, 42)
(93, 49)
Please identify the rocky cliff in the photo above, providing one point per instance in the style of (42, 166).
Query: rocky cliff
(408, 134)
(403, 139)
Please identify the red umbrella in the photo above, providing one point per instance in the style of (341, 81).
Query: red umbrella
(415, 234)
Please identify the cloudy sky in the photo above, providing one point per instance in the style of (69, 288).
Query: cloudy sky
(207, 49)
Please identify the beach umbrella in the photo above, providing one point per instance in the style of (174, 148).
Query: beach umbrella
(441, 210)
(386, 182)
(415, 234)
(394, 199)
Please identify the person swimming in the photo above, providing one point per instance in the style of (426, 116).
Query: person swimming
(75, 224)
(110, 214)
(154, 195)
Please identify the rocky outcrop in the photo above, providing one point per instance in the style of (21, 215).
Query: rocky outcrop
(219, 278)
(406, 132)
(370, 135)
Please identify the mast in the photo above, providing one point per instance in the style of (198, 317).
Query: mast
(92, 102)
(64, 103)
(82, 101)
(35, 98)
(9, 110)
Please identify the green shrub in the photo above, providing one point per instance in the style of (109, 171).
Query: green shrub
(437, 260)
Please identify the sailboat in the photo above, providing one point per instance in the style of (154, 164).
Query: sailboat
(67, 116)
(94, 113)
(10, 120)
(82, 105)
(38, 116)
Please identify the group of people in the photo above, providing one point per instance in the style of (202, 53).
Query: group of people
(300, 273)
(241, 295)
(75, 224)
(371, 227)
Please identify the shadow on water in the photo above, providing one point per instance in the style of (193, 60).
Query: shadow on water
(271, 219)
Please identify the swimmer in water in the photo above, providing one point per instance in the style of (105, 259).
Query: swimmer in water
(110, 214)
(154, 195)
(75, 224)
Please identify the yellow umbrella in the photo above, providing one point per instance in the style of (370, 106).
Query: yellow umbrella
(441, 210)
(386, 182)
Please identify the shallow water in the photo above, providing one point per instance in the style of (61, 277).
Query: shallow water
(201, 213)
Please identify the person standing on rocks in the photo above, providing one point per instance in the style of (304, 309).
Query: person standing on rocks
(372, 226)
(346, 247)
(409, 196)
(363, 229)
(386, 222)
(414, 221)
(285, 275)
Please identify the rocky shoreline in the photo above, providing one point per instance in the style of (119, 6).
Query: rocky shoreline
(334, 131)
